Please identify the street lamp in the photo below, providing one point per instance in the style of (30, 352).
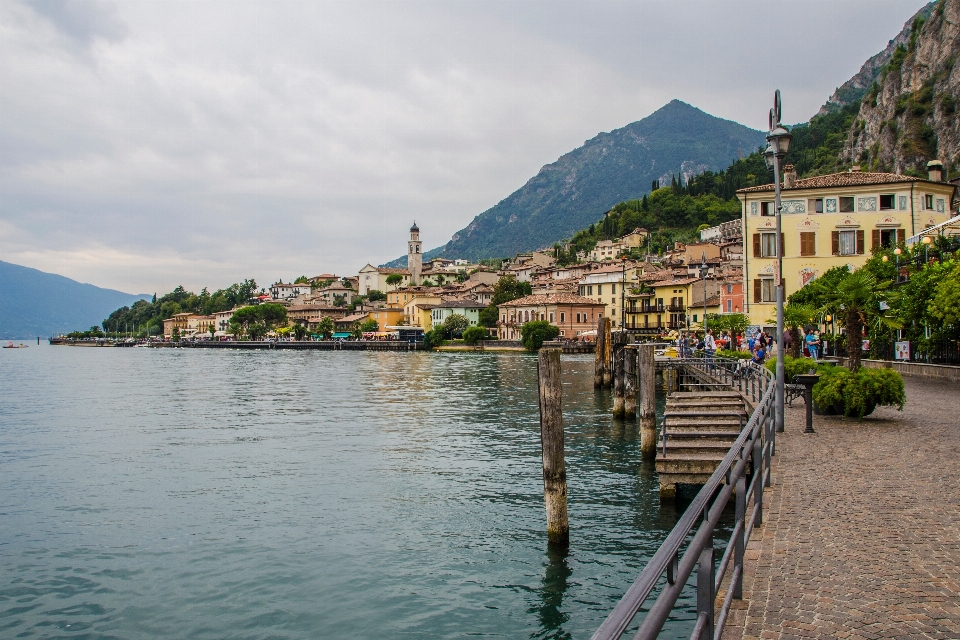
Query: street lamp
(703, 274)
(778, 140)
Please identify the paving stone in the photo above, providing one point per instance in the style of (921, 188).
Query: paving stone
(861, 532)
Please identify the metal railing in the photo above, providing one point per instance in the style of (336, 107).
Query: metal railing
(751, 452)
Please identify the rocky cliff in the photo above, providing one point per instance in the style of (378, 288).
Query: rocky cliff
(911, 114)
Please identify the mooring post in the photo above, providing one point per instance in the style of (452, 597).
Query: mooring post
(618, 383)
(630, 381)
(607, 353)
(599, 354)
(551, 439)
(648, 402)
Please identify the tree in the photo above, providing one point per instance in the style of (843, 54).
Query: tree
(211, 329)
(533, 334)
(394, 279)
(509, 288)
(455, 325)
(325, 327)
(357, 332)
(858, 297)
(945, 305)
(175, 334)
(339, 300)
(302, 280)
(489, 316)
(374, 295)
(427, 283)
(257, 331)
(735, 323)
(300, 331)
(473, 335)
(794, 317)
(369, 326)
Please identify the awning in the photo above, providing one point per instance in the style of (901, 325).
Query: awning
(342, 334)
(949, 228)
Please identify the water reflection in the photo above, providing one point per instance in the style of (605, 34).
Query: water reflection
(550, 612)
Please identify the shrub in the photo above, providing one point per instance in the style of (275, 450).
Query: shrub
(473, 335)
(857, 393)
(792, 367)
(738, 355)
(434, 338)
(534, 334)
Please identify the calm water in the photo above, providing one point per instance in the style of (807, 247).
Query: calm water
(153, 493)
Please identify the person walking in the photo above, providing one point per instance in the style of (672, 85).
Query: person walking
(709, 347)
(813, 344)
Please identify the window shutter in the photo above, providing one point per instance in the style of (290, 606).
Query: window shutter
(780, 249)
(901, 236)
(756, 290)
(875, 239)
(835, 242)
(808, 243)
(860, 241)
(756, 245)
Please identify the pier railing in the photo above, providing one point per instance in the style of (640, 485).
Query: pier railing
(690, 545)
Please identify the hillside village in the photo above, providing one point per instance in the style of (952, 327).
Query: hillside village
(830, 220)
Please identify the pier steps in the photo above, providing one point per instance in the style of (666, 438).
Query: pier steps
(701, 426)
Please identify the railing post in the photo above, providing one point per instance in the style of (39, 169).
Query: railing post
(758, 480)
(769, 446)
(740, 518)
(705, 595)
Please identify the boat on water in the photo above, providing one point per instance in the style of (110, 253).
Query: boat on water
(10, 345)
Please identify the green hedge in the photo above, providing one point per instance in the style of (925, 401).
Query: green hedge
(738, 355)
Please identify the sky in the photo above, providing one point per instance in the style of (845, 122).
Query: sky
(145, 145)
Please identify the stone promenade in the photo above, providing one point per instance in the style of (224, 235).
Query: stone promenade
(861, 534)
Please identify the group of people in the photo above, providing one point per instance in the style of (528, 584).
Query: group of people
(758, 344)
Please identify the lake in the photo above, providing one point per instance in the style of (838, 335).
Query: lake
(153, 493)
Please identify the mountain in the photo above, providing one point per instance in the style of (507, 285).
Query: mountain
(853, 90)
(576, 190)
(911, 114)
(34, 303)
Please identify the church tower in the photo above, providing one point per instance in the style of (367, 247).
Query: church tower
(414, 257)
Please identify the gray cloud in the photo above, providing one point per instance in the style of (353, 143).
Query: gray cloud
(211, 142)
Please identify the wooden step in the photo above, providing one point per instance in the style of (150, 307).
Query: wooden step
(705, 394)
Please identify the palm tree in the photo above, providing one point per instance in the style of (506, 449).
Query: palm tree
(856, 301)
(794, 317)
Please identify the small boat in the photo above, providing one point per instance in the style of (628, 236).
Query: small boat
(10, 345)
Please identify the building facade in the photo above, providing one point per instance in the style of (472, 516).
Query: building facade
(574, 315)
(829, 221)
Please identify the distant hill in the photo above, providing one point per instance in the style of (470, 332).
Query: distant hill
(580, 186)
(34, 303)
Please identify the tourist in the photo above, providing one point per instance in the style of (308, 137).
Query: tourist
(760, 354)
(813, 344)
(709, 347)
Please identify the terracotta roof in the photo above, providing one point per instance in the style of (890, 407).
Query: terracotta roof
(550, 298)
(312, 307)
(675, 282)
(354, 318)
(392, 270)
(460, 304)
(845, 179)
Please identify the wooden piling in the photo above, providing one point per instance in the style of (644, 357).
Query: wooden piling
(648, 402)
(618, 384)
(551, 439)
(599, 361)
(630, 381)
(607, 353)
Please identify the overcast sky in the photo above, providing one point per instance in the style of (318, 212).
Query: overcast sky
(149, 144)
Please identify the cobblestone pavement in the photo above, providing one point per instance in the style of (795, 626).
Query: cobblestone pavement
(861, 534)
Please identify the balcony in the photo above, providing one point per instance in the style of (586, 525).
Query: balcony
(676, 308)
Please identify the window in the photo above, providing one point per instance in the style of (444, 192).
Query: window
(578, 317)
(889, 237)
(551, 316)
(928, 201)
(768, 293)
(848, 243)
(808, 243)
(815, 205)
(887, 202)
(599, 289)
(729, 288)
(590, 290)
(695, 317)
(766, 209)
(613, 312)
(562, 318)
(768, 245)
(614, 288)
(729, 306)
(846, 204)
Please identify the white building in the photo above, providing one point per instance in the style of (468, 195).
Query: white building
(282, 291)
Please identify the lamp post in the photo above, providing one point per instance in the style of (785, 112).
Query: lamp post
(779, 143)
(703, 274)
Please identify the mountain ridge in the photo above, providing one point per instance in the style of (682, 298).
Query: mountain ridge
(577, 188)
(36, 303)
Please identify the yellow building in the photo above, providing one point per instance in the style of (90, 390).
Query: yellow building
(679, 301)
(829, 221)
(387, 317)
(401, 297)
(414, 314)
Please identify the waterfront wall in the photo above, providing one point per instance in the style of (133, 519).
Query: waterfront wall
(917, 369)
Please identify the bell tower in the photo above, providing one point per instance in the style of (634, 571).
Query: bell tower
(414, 257)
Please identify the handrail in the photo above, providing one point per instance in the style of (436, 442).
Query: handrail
(755, 444)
